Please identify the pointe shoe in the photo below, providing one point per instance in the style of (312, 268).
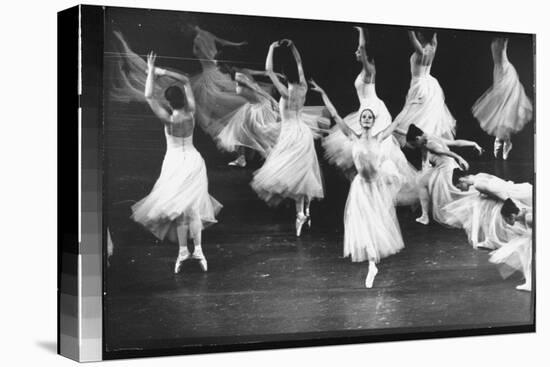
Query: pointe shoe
(524, 287)
(181, 258)
(198, 255)
(506, 150)
(239, 162)
(423, 219)
(300, 220)
(369, 280)
(308, 218)
(497, 146)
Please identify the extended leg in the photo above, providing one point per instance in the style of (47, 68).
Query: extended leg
(507, 148)
(301, 218)
(373, 270)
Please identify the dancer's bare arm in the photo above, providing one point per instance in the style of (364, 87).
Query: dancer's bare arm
(463, 143)
(415, 42)
(437, 149)
(332, 110)
(298, 60)
(281, 88)
(369, 68)
(150, 86)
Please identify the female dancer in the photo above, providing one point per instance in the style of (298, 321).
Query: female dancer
(478, 212)
(425, 103)
(518, 253)
(253, 125)
(179, 205)
(291, 170)
(371, 229)
(338, 147)
(504, 109)
(435, 183)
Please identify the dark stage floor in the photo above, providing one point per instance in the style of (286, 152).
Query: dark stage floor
(262, 280)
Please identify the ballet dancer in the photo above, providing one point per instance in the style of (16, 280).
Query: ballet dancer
(371, 229)
(291, 170)
(517, 254)
(179, 205)
(425, 102)
(478, 211)
(504, 109)
(435, 185)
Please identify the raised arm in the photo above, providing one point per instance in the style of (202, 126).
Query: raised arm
(150, 86)
(298, 60)
(332, 110)
(281, 88)
(253, 72)
(463, 143)
(382, 135)
(415, 42)
(368, 66)
(437, 149)
(224, 42)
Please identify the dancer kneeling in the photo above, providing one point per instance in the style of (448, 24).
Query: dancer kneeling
(371, 229)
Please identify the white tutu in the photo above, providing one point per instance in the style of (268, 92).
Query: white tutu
(180, 192)
(254, 125)
(515, 255)
(425, 106)
(503, 109)
(371, 229)
(215, 97)
(291, 170)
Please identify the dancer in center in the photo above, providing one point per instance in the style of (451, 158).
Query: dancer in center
(371, 229)
(291, 170)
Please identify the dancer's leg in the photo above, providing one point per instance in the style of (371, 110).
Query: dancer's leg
(506, 148)
(182, 231)
(196, 233)
(425, 204)
(241, 159)
(497, 146)
(307, 202)
(527, 274)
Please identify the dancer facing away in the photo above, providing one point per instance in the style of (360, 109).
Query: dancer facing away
(291, 169)
(425, 103)
(517, 254)
(179, 205)
(371, 229)
(504, 109)
(254, 125)
(478, 212)
(435, 183)
(338, 147)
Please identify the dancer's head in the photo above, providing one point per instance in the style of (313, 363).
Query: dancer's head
(175, 97)
(459, 181)
(288, 66)
(415, 136)
(367, 118)
(509, 211)
(425, 36)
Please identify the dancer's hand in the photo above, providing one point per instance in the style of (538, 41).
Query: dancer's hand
(463, 164)
(478, 149)
(159, 71)
(151, 61)
(275, 44)
(286, 42)
(315, 87)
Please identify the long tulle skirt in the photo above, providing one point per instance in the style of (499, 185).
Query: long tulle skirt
(216, 98)
(425, 107)
(503, 109)
(371, 229)
(480, 217)
(254, 125)
(291, 169)
(180, 194)
(515, 255)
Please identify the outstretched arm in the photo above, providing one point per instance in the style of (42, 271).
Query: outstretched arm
(415, 42)
(368, 66)
(150, 86)
(463, 143)
(436, 149)
(281, 88)
(298, 60)
(332, 110)
(388, 131)
(224, 42)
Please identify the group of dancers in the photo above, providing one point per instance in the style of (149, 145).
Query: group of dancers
(239, 111)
